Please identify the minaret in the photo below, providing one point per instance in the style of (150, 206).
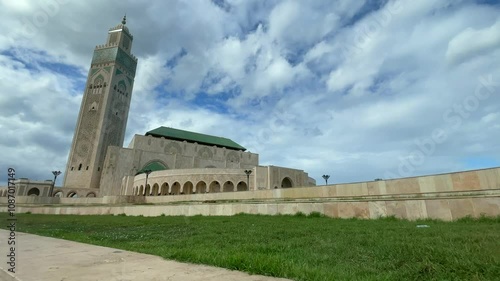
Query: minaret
(104, 110)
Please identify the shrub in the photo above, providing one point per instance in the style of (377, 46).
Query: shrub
(315, 215)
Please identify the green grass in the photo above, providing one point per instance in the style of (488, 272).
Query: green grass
(300, 247)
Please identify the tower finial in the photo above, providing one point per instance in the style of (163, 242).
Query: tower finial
(124, 20)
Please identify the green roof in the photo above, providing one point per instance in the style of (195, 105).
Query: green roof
(181, 135)
(153, 166)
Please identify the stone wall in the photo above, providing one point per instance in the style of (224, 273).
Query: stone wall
(444, 209)
(444, 196)
(193, 155)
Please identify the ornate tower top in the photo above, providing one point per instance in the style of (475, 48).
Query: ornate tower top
(124, 20)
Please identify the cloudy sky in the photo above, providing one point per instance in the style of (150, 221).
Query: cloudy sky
(355, 89)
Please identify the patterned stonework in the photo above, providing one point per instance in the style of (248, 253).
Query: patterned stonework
(103, 116)
(115, 54)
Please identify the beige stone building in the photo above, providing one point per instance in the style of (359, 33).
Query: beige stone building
(174, 161)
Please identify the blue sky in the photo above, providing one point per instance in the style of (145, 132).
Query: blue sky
(356, 89)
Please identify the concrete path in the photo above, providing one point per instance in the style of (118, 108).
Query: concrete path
(41, 258)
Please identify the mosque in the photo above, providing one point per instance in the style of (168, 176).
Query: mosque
(162, 162)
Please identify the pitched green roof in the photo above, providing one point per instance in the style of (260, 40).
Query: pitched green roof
(181, 135)
(153, 166)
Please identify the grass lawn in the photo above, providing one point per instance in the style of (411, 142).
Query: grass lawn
(296, 247)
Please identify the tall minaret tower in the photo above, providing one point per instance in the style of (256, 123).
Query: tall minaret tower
(104, 110)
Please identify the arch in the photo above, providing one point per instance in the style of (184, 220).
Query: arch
(176, 189)
(286, 183)
(91, 194)
(228, 186)
(156, 189)
(58, 194)
(94, 106)
(201, 187)
(72, 194)
(99, 80)
(141, 190)
(121, 86)
(34, 192)
(205, 153)
(164, 189)
(214, 187)
(153, 165)
(242, 186)
(172, 148)
(147, 190)
(233, 157)
(187, 188)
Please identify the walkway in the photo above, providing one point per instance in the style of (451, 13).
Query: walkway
(41, 258)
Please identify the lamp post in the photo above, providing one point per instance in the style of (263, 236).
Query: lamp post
(147, 174)
(326, 177)
(55, 173)
(248, 172)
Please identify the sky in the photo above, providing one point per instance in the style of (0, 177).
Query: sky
(357, 90)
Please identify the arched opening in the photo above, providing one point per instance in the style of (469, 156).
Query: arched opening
(176, 189)
(242, 186)
(187, 188)
(141, 191)
(214, 187)
(72, 194)
(34, 192)
(155, 165)
(58, 194)
(164, 189)
(156, 189)
(147, 190)
(91, 194)
(228, 187)
(286, 183)
(201, 187)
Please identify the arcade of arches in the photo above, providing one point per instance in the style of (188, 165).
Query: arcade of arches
(189, 188)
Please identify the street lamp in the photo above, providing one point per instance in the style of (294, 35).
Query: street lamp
(248, 172)
(147, 174)
(55, 173)
(326, 177)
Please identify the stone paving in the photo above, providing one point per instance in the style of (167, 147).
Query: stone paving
(41, 258)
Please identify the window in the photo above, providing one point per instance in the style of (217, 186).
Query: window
(80, 167)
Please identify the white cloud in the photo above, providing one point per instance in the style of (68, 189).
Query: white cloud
(472, 42)
(338, 87)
